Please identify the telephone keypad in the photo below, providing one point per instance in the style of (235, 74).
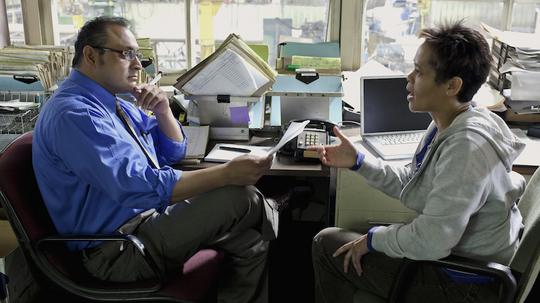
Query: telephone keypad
(310, 138)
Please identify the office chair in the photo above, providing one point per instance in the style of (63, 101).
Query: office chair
(59, 271)
(516, 279)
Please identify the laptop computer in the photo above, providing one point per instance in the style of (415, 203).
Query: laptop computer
(387, 124)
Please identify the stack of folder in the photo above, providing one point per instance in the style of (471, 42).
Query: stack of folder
(516, 73)
(234, 69)
(149, 61)
(323, 57)
(45, 65)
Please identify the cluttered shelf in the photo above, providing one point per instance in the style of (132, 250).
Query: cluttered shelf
(514, 74)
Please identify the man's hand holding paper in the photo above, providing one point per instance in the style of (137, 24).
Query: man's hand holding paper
(294, 129)
(247, 169)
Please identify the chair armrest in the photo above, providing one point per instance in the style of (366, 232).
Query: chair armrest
(500, 272)
(105, 237)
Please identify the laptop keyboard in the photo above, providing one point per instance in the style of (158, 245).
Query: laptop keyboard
(393, 139)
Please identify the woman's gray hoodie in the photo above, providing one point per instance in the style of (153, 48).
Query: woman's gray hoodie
(464, 193)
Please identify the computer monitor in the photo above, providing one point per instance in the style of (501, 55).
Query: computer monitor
(385, 108)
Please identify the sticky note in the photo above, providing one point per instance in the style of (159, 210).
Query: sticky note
(239, 115)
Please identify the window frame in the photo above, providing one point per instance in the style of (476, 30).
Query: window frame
(40, 19)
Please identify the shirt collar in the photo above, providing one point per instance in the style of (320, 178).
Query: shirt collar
(94, 88)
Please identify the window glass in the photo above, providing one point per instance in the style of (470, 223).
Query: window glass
(162, 21)
(258, 22)
(526, 16)
(392, 25)
(15, 21)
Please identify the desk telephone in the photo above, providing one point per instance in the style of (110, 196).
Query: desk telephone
(317, 132)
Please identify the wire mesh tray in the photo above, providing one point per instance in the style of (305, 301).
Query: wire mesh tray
(18, 122)
(22, 116)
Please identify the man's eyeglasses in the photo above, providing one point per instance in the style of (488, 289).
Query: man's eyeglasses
(128, 54)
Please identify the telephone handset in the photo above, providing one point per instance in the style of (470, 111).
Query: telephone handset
(317, 132)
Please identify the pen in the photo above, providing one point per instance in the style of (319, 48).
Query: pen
(235, 149)
(156, 79)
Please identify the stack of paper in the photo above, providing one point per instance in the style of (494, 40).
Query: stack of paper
(516, 64)
(47, 64)
(16, 105)
(234, 69)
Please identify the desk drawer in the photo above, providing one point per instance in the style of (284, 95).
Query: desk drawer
(360, 206)
(352, 192)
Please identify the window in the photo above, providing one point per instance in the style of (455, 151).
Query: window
(526, 16)
(259, 22)
(392, 25)
(163, 21)
(15, 21)
(256, 21)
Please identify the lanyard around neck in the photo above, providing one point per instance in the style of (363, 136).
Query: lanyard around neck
(131, 130)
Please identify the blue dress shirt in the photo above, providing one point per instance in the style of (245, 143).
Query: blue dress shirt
(92, 175)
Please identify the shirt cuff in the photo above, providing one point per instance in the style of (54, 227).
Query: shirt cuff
(359, 160)
(171, 151)
(369, 237)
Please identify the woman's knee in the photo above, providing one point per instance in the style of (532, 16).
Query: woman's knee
(324, 241)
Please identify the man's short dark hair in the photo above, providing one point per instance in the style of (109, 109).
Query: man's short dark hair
(457, 50)
(94, 33)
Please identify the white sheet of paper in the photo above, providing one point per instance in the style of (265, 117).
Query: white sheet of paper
(228, 74)
(295, 129)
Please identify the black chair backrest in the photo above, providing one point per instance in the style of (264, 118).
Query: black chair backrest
(30, 219)
(54, 265)
(526, 260)
(28, 214)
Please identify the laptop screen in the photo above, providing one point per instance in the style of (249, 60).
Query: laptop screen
(385, 108)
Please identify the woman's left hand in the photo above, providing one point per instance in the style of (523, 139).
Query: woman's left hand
(354, 251)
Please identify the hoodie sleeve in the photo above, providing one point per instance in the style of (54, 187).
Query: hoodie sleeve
(385, 177)
(459, 187)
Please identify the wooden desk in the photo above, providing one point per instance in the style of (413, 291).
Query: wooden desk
(281, 166)
(285, 168)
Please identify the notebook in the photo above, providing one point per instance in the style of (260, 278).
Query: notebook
(197, 141)
(387, 124)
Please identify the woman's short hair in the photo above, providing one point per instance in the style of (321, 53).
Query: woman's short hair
(458, 51)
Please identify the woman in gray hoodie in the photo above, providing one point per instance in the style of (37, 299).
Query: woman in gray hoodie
(459, 182)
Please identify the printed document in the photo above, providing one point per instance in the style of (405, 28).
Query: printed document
(234, 69)
(295, 129)
(197, 137)
(228, 74)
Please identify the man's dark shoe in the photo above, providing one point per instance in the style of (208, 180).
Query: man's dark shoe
(298, 196)
(281, 202)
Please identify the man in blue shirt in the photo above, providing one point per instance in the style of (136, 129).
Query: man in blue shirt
(102, 166)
